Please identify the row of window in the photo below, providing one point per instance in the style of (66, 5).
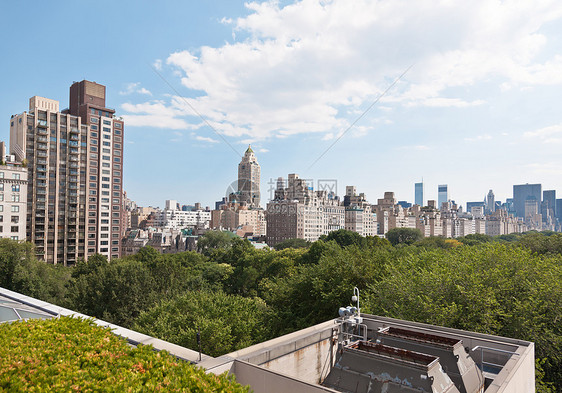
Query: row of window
(13, 228)
(15, 219)
(15, 176)
(15, 187)
(15, 198)
(14, 208)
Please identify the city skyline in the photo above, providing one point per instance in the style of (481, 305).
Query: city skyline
(477, 110)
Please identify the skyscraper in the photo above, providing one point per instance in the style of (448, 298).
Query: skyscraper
(104, 188)
(524, 192)
(249, 179)
(549, 203)
(74, 159)
(418, 188)
(490, 202)
(442, 195)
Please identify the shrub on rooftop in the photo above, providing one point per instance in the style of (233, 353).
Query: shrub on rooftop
(67, 354)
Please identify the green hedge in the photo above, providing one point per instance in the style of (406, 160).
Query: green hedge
(69, 354)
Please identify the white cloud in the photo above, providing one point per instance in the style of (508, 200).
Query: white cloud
(478, 138)
(134, 87)
(549, 135)
(313, 66)
(205, 139)
(157, 64)
(262, 150)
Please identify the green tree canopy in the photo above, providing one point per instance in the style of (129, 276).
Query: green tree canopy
(405, 236)
(227, 322)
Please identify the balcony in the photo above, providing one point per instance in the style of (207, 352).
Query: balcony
(40, 192)
(42, 139)
(41, 154)
(42, 131)
(42, 146)
(72, 158)
(40, 176)
(43, 162)
(74, 137)
(41, 123)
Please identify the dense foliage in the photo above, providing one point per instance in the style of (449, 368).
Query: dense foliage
(236, 295)
(67, 354)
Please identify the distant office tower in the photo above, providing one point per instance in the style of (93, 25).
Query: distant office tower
(442, 195)
(558, 212)
(74, 159)
(524, 192)
(490, 202)
(249, 179)
(418, 188)
(470, 205)
(549, 203)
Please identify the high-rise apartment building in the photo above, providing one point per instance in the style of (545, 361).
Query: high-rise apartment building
(104, 183)
(442, 195)
(418, 188)
(523, 193)
(74, 159)
(249, 179)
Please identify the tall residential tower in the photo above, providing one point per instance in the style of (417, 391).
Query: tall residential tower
(249, 179)
(74, 160)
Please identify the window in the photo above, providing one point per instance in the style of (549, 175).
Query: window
(105, 192)
(15, 228)
(15, 219)
(105, 171)
(14, 238)
(118, 125)
(107, 122)
(93, 119)
(116, 194)
(15, 188)
(115, 242)
(116, 180)
(106, 150)
(16, 176)
(107, 129)
(104, 242)
(91, 221)
(15, 198)
(105, 165)
(93, 148)
(105, 136)
(105, 221)
(117, 152)
(116, 187)
(115, 207)
(93, 178)
(15, 209)
(106, 158)
(107, 144)
(117, 166)
(117, 145)
(91, 242)
(94, 141)
(94, 134)
(95, 128)
(117, 132)
(105, 179)
(1, 175)
(115, 229)
(117, 159)
(1, 197)
(1, 186)
(115, 200)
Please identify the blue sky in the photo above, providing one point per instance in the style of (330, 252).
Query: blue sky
(479, 109)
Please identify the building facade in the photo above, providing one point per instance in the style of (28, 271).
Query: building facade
(418, 190)
(13, 201)
(442, 194)
(74, 158)
(249, 173)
